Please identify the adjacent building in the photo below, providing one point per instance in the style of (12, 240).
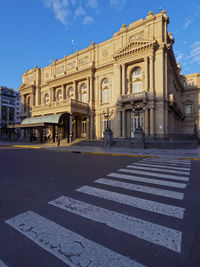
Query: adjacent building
(134, 76)
(10, 107)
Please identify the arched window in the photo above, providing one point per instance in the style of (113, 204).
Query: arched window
(84, 94)
(71, 93)
(137, 84)
(59, 95)
(46, 98)
(105, 91)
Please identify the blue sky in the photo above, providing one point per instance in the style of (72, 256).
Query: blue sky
(35, 32)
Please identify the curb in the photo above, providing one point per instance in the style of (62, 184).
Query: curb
(189, 158)
(21, 146)
(96, 153)
(116, 154)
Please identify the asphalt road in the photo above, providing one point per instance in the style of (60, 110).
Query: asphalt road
(55, 210)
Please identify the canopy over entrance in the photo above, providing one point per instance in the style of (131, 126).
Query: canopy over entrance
(41, 121)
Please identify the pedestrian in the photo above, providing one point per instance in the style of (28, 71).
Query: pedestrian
(58, 141)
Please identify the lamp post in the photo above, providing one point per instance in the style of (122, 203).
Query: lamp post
(108, 135)
(195, 131)
(107, 115)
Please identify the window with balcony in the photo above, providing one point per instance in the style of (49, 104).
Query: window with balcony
(105, 91)
(59, 95)
(84, 94)
(137, 83)
(46, 98)
(71, 93)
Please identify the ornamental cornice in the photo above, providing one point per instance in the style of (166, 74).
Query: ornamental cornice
(135, 47)
(104, 66)
(73, 76)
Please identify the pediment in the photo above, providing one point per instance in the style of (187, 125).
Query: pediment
(134, 46)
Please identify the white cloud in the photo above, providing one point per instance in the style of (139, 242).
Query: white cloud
(88, 20)
(60, 8)
(188, 21)
(179, 57)
(93, 3)
(79, 12)
(195, 52)
(117, 4)
(70, 10)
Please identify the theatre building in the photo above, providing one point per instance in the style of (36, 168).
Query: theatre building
(134, 74)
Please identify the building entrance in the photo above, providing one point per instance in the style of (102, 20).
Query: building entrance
(84, 128)
(136, 120)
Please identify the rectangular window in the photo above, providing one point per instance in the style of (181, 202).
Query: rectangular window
(188, 109)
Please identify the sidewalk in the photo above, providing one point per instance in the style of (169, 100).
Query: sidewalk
(193, 154)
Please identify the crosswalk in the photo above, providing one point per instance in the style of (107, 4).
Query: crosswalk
(2, 264)
(162, 179)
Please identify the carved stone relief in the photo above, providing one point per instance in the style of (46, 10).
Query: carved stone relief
(136, 36)
(71, 65)
(105, 52)
(83, 61)
(60, 70)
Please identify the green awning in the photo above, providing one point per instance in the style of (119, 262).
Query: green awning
(40, 121)
(51, 119)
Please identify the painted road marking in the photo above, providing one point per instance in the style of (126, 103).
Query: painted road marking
(71, 248)
(136, 202)
(168, 161)
(161, 166)
(154, 233)
(160, 175)
(165, 163)
(142, 188)
(147, 180)
(2, 264)
(157, 170)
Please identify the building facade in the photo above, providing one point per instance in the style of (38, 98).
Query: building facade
(10, 107)
(134, 74)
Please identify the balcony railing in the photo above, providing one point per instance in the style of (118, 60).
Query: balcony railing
(133, 97)
(68, 105)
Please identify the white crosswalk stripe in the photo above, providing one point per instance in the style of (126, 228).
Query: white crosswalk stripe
(69, 247)
(2, 264)
(157, 170)
(136, 202)
(161, 166)
(75, 250)
(154, 233)
(147, 180)
(160, 175)
(142, 188)
(168, 161)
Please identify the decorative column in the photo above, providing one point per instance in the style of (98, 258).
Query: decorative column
(75, 90)
(63, 92)
(51, 95)
(88, 88)
(123, 85)
(124, 123)
(151, 63)
(146, 69)
(146, 121)
(152, 120)
(119, 115)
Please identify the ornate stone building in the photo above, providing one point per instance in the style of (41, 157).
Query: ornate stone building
(134, 74)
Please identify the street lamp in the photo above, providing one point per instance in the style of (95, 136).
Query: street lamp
(108, 135)
(107, 115)
(195, 131)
